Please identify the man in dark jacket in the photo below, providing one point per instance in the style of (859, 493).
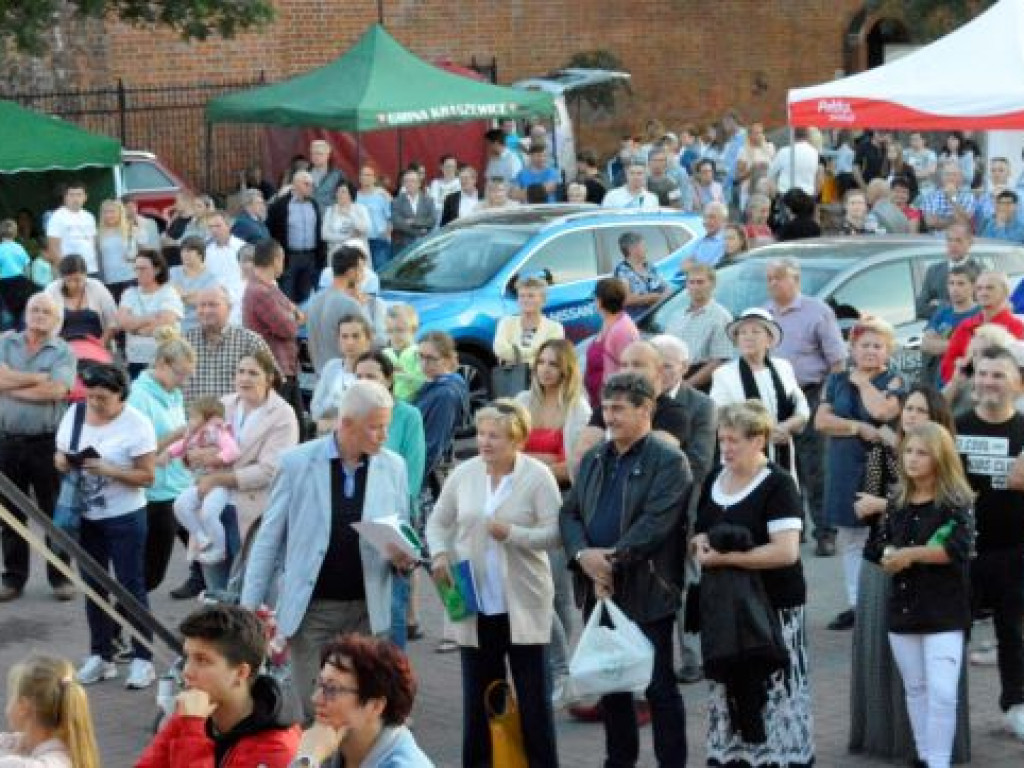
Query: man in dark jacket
(231, 716)
(294, 221)
(464, 202)
(621, 529)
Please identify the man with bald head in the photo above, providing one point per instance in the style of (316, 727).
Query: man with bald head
(294, 221)
(669, 420)
(37, 369)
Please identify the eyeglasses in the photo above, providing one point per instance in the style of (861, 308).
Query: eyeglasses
(332, 692)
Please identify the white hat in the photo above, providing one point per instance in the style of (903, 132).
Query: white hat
(759, 315)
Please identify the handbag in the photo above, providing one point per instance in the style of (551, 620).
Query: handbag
(507, 747)
(509, 379)
(70, 506)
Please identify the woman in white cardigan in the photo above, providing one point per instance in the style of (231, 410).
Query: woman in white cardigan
(518, 338)
(499, 512)
(756, 375)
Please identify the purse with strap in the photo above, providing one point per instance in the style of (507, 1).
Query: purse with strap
(70, 506)
(508, 750)
(509, 379)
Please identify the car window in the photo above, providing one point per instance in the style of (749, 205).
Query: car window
(454, 260)
(1010, 262)
(678, 237)
(146, 176)
(611, 254)
(884, 291)
(569, 256)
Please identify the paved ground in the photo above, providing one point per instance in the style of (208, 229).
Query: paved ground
(123, 718)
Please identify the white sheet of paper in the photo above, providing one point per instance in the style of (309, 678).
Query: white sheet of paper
(384, 533)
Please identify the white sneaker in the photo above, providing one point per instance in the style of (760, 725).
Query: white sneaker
(1015, 720)
(558, 693)
(140, 675)
(95, 669)
(985, 657)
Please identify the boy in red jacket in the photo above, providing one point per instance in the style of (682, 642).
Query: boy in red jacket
(230, 716)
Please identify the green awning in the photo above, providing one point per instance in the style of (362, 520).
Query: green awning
(376, 85)
(36, 142)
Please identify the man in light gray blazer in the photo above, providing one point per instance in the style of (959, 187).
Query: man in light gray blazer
(329, 581)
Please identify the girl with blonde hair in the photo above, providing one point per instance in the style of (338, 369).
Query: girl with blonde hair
(116, 246)
(928, 532)
(49, 712)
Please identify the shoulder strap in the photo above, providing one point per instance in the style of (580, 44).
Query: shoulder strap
(76, 427)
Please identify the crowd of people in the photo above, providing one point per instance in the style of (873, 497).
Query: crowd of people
(151, 381)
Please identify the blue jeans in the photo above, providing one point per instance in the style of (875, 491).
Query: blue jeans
(668, 718)
(216, 576)
(380, 253)
(119, 541)
(486, 663)
(400, 586)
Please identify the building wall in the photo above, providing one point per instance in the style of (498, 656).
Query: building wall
(690, 59)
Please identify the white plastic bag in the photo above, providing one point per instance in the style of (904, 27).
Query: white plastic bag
(615, 659)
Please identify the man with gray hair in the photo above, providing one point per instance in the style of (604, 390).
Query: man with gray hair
(814, 346)
(249, 223)
(711, 248)
(698, 444)
(333, 582)
(37, 369)
(294, 220)
(326, 177)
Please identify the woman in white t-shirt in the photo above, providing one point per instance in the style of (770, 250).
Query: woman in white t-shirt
(113, 525)
(150, 305)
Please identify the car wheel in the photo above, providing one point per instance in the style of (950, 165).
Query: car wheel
(477, 374)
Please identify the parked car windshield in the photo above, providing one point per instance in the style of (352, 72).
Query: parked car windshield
(455, 260)
(744, 285)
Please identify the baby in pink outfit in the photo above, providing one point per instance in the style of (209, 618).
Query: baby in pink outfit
(200, 516)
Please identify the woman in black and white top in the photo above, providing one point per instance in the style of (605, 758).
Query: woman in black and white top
(928, 533)
(753, 493)
(755, 374)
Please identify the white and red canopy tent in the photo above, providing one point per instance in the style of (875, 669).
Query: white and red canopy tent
(973, 78)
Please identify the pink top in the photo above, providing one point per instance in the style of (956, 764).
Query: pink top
(214, 433)
(620, 335)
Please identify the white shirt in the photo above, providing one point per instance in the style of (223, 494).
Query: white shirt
(492, 585)
(77, 233)
(805, 165)
(622, 197)
(121, 441)
(222, 261)
(468, 204)
(142, 349)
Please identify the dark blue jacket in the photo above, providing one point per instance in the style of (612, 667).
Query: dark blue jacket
(443, 403)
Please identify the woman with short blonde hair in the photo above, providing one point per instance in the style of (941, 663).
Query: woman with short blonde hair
(518, 337)
(499, 512)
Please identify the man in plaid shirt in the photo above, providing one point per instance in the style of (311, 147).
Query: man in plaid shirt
(950, 202)
(218, 347)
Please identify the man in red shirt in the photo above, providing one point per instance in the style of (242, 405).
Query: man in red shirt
(271, 314)
(992, 291)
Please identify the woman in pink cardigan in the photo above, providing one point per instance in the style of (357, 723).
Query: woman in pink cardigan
(617, 332)
(264, 426)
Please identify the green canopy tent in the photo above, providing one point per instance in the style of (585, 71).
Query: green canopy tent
(376, 85)
(39, 152)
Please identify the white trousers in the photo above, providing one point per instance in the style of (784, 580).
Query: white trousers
(850, 546)
(201, 517)
(930, 668)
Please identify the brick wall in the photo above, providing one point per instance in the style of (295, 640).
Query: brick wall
(690, 59)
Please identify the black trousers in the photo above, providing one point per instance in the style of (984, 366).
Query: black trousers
(486, 663)
(291, 392)
(997, 579)
(161, 529)
(810, 465)
(28, 461)
(668, 717)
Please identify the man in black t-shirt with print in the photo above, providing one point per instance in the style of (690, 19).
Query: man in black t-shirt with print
(990, 440)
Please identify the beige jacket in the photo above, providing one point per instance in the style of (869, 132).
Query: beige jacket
(458, 528)
(509, 334)
(274, 431)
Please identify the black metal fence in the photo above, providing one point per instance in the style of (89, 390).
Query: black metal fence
(167, 120)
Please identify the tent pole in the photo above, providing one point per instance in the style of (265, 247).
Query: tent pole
(359, 152)
(400, 166)
(792, 156)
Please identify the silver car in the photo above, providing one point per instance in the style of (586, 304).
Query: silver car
(873, 275)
